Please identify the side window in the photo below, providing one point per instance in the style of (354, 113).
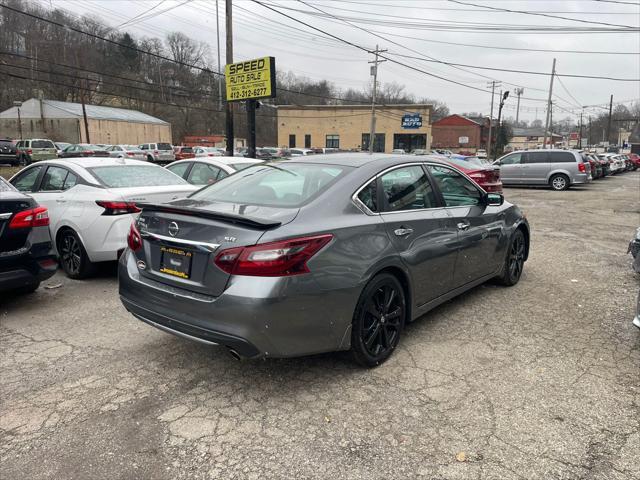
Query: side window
(456, 189)
(144, 147)
(562, 157)
(513, 159)
(71, 181)
(53, 179)
(203, 174)
(222, 175)
(537, 157)
(179, 169)
(369, 195)
(407, 188)
(26, 181)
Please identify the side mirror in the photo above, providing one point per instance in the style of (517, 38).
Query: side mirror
(494, 199)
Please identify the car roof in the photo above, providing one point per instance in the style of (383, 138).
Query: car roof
(88, 162)
(361, 159)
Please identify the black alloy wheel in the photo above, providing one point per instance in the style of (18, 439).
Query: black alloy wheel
(73, 257)
(514, 263)
(378, 321)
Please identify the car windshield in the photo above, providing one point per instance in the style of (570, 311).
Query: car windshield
(281, 185)
(242, 166)
(117, 176)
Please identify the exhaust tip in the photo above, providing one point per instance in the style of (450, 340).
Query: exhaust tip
(234, 354)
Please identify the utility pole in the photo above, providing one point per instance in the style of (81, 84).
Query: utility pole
(519, 91)
(589, 139)
(609, 122)
(219, 66)
(84, 112)
(493, 91)
(580, 138)
(18, 104)
(546, 123)
(229, 52)
(374, 73)
(502, 99)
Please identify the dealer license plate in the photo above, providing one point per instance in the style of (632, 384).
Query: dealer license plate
(175, 262)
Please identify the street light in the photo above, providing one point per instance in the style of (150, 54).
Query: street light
(18, 105)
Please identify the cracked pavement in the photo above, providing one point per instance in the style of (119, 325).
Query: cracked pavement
(537, 381)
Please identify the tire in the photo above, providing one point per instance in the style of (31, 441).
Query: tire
(73, 257)
(378, 320)
(559, 182)
(149, 158)
(514, 261)
(24, 161)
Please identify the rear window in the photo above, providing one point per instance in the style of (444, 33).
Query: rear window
(282, 185)
(186, 149)
(164, 146)
(42, 144)
(242, 166)
(6, 186)
(116, 176)
(561, 157)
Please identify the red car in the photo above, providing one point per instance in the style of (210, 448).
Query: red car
(635, 158)
(182, 153)
(483, 173)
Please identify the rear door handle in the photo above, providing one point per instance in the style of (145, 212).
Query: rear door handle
(59, 200)
(401, 232)
(463, 226)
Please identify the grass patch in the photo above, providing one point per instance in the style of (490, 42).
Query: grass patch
(8, 172)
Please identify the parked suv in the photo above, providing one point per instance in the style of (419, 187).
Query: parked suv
(559, 169)
(158, 152)
(29, 151)
(8, 152)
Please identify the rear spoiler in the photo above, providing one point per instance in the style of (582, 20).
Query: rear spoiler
(213, 215)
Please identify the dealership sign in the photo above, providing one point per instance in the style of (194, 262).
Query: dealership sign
(251, 79)
(412, 120)
(463, 140)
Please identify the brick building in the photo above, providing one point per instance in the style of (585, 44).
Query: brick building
(458, 133)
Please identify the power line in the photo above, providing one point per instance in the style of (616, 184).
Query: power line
(140, 15)
(578, 104)
(524, 12)
(494, 47)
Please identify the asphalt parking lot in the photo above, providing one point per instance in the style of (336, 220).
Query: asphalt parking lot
(537, 381)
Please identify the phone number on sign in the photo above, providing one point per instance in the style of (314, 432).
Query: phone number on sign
(248, 93)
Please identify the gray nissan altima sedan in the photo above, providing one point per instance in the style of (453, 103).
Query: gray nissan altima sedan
(318, 254)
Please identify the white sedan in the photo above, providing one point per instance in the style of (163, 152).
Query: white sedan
(205, 171)
(126, 151)
(92, 202)
(207, 152)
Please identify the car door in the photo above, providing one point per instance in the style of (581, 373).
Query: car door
(480, 227)
(52, 193)
(203, 174)
(181, 169)
(511, 168)
(535, 167)
(419, 228)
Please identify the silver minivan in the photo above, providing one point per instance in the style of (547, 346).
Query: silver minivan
(559, 169)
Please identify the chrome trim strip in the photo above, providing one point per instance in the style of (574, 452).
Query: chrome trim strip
(212, 247)
(4, 216)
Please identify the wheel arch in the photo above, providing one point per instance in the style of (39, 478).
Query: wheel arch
(405, 282)
(527, 237)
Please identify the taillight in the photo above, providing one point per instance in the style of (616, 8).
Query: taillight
(156, 152)
(134, 239)
(131, 154)
(35, 217)
(582, 167)
(275, 259)
(117, 208)
(478, 175)
(29, 151)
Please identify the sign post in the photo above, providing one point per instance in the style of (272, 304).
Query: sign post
(249, 81)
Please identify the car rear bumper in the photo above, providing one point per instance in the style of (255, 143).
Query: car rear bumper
(257, 317)
(26, 272)
(580, 178)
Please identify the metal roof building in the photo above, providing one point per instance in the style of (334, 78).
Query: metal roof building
(64, 122)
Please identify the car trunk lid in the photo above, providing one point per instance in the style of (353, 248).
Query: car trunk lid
(152, 194)
(180, 240)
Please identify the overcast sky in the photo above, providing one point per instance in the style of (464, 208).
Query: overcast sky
(416, 27)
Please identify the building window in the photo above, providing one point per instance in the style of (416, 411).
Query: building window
(333, 141)
(378, 143)
(292, 141)
(307, 141)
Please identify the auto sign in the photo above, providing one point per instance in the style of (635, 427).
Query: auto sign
(251, 79)
(412, 120)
